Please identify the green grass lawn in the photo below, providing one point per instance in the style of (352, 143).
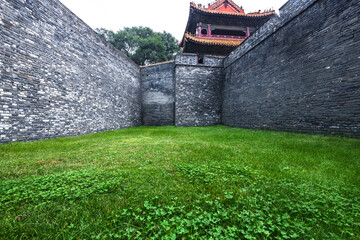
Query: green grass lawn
(181, 183)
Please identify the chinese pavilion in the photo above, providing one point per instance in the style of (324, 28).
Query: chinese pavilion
(220, 28)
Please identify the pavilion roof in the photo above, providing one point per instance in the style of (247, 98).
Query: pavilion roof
(216, 14)
(211, 41)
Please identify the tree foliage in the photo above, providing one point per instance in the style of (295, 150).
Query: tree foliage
(142, 44)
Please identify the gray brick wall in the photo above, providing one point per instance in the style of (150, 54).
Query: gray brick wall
(58, 78)
(198, 90)
(303, 75)
(299, 72)
(158, 94)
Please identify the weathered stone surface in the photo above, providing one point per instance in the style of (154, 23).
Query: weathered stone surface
(186, 59)
(192, 59)
(198, 90)
(158, 94)
(288, 11)
(58, 77)
(302, 76)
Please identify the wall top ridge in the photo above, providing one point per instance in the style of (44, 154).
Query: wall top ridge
(108, 46)
(157, 64)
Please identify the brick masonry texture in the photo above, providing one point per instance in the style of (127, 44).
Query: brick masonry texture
(198, 90)
(300, 73)
(158, 94)
(58, 77)
(288, 11)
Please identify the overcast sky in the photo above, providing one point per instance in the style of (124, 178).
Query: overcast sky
(160, 15)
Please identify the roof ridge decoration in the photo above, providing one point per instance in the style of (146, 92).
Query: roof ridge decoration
(255, 14)
(218, 3)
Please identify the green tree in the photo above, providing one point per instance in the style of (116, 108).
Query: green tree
(142, 44)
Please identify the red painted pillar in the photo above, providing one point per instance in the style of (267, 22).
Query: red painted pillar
(209, 30)
(199, 34)
(247, 32)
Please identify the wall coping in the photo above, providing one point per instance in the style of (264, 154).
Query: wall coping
(157, 64)
(114, 51)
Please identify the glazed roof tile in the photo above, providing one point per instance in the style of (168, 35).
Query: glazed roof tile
(218, 3)
(213, 41)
